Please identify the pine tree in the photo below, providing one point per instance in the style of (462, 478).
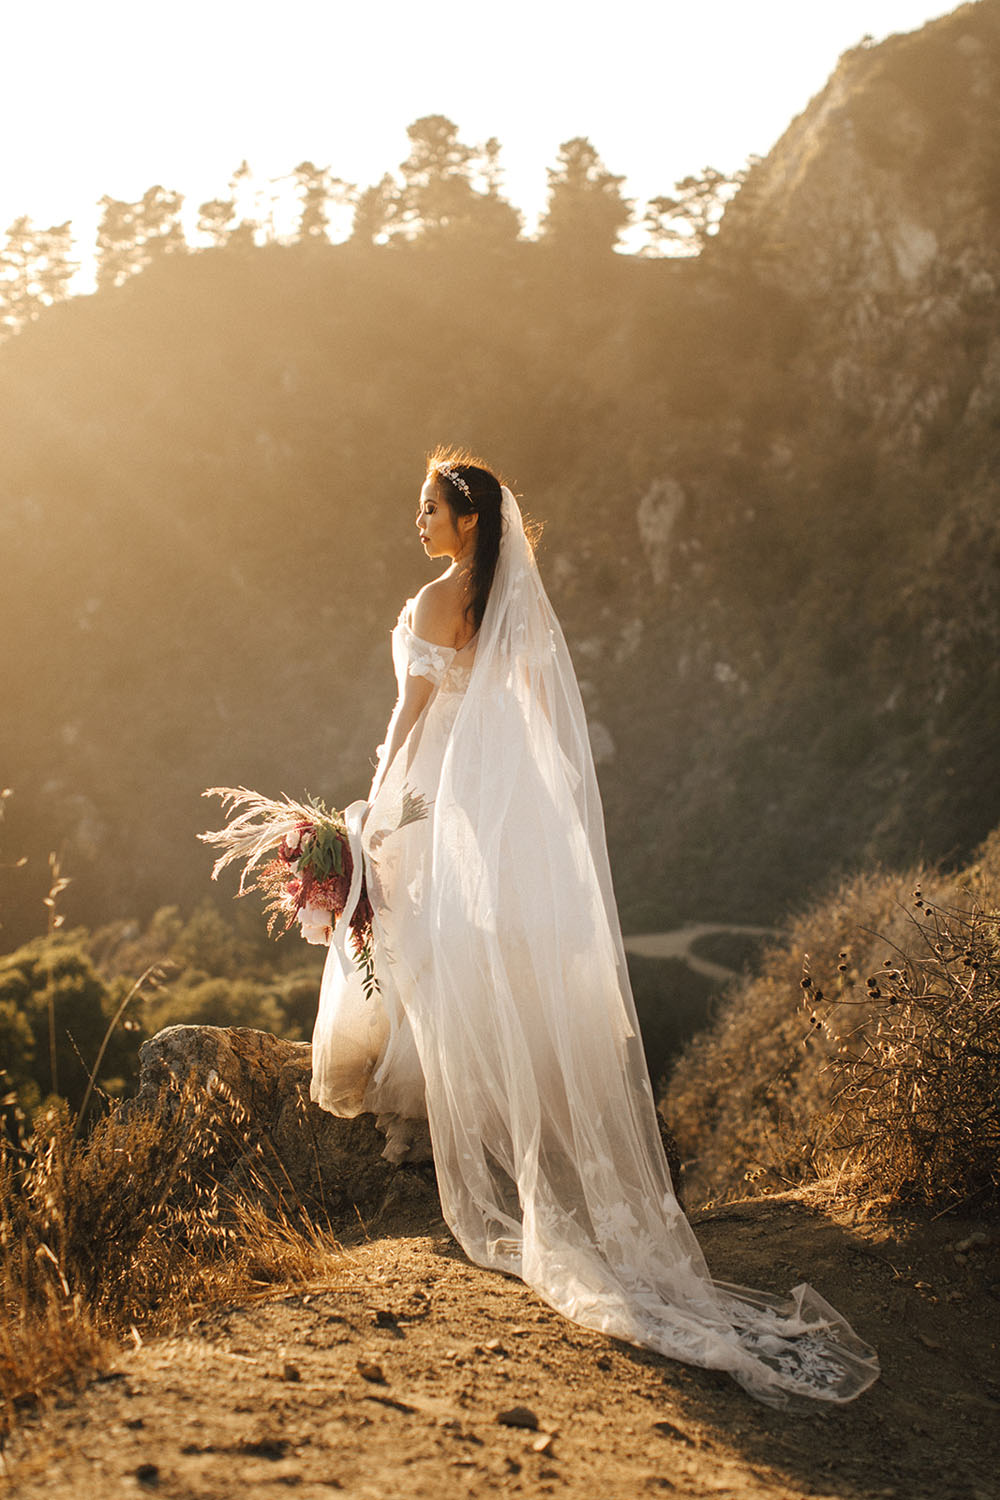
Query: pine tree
(315, 186)
(688, 221)
(586, 209)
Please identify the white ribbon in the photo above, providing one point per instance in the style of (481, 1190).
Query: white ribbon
(353, 819)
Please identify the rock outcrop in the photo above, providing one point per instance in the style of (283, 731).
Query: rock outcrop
(272, 1144)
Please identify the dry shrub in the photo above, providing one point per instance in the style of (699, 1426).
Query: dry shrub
(126, 1232)
(757, 1100)
(916, 1113)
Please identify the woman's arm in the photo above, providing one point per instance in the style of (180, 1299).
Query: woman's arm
(438, 618)
(410, 705)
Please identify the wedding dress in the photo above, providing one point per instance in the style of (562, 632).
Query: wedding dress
(504, 1013)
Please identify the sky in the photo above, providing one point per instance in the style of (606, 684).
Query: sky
(108, 97)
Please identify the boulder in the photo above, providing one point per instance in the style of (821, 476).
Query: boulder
(268, 1142)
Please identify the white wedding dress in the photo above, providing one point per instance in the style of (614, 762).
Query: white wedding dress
(504, 1014)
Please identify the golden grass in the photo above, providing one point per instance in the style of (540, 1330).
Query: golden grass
(915, 1112)
(867, 1048)
(127, 1233)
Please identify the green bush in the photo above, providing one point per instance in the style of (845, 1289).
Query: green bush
(55, 1009)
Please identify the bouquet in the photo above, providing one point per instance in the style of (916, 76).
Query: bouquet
(308, 877)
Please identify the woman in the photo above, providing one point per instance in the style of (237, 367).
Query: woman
(504, 1011)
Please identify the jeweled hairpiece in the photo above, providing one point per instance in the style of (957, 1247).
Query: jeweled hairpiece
(448, 470)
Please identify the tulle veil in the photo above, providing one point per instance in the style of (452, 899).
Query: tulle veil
(506, 1002)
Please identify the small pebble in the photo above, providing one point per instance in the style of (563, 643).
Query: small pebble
(667, 1429)
(518, 1416)
(290, 1371)
(148, 1474)
(370, 1371)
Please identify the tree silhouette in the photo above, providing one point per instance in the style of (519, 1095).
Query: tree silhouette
(692, 218)
(438, 194)
(586, 210)
(246, 198)
(159, 224)
(131, 236)
(375, 210)
(496, 220)
(36, 269)
(315, 185)
(215, 219)
(436, 187)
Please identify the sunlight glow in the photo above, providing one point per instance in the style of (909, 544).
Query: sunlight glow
(105, 99)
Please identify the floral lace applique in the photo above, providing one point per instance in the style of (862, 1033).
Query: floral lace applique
(426, 660)
(423, 658)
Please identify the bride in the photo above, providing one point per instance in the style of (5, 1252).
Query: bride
(503, 1012)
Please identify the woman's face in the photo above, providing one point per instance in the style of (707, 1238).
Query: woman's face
(436, 523)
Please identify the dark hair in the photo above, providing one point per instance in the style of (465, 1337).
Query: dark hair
(479, 494)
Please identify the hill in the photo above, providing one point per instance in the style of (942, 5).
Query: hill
(769, 478)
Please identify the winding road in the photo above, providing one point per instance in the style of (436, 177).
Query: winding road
(679, 942)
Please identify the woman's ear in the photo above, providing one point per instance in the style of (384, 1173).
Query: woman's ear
(467, 522)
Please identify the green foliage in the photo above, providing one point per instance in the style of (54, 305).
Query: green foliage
(219, 970)
(55, 1008)
(218, 1002)
(211, 970)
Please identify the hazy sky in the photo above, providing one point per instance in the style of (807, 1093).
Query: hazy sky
(111, 97)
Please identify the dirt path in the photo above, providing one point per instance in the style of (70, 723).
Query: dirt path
(679, 943)
(389, 1382)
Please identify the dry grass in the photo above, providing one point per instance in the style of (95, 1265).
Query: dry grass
(118, 1235)
(916, 1109)
(809, 1070)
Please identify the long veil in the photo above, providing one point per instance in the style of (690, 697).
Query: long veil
(545, 1136)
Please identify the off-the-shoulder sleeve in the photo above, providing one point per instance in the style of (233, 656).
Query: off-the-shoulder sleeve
(423, 658)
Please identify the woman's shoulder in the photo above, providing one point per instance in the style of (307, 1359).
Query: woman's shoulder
(436, 613)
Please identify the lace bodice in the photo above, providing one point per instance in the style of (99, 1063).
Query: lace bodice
(414, 657)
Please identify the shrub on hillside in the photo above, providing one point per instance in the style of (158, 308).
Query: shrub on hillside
(916, 1112)
(799, 1078)
(54, 1010)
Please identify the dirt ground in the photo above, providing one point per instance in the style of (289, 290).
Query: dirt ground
(391, 1380)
